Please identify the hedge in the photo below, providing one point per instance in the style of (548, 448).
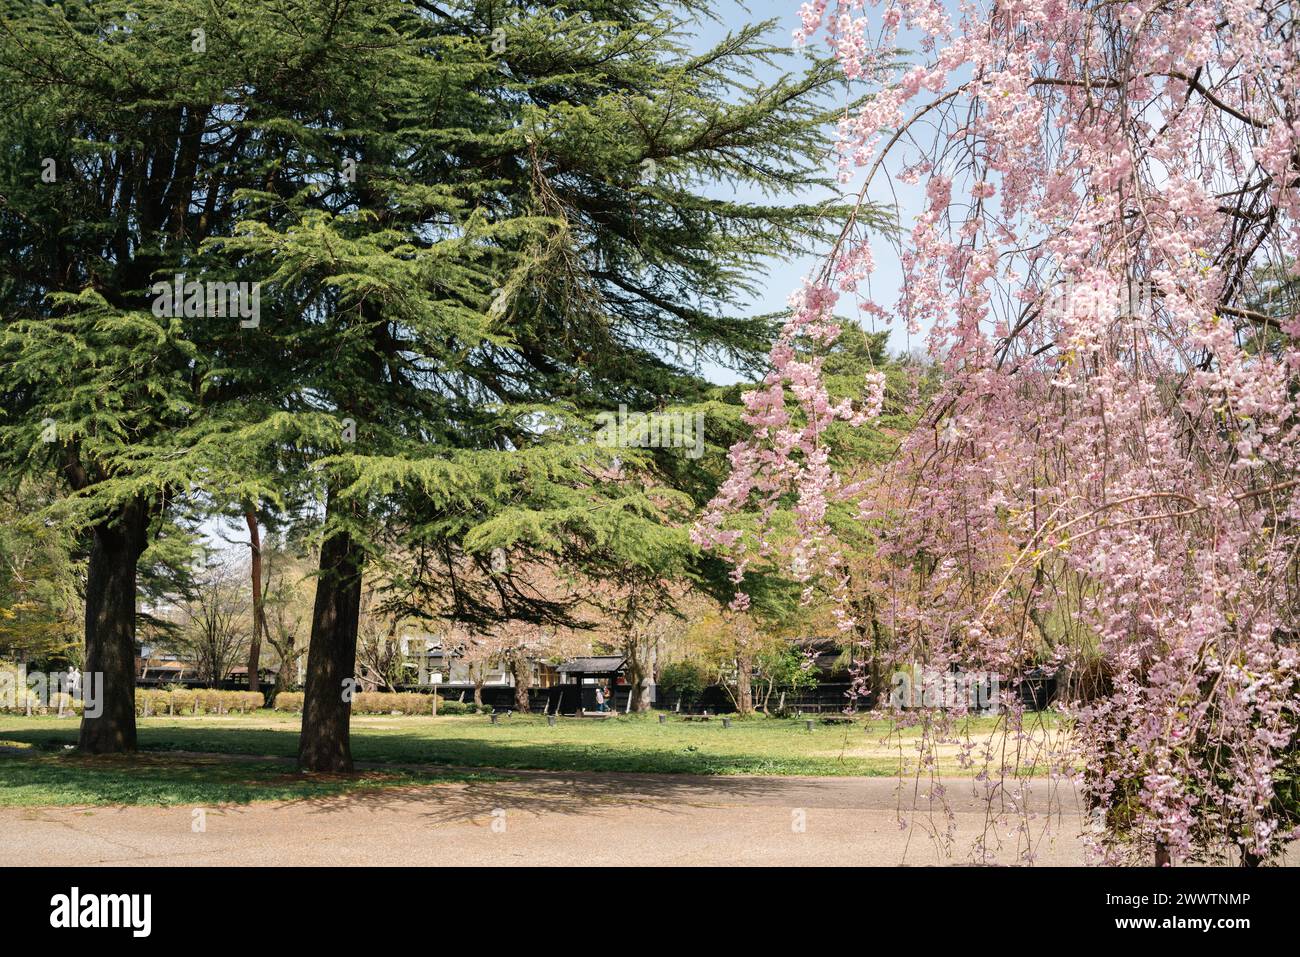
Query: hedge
(191, 701)
(24, 696)
(148, 701)
(288, 701)
(377, 702)
(463, 707)
(151, 701)
(16, 696)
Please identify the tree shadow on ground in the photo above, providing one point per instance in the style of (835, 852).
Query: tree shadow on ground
(539, 793)
(36, 778)
(455, 751)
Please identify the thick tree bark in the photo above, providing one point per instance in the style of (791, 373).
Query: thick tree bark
(522, 669)
(110, 629)
(641, 656)
(323, 744)
(744, 684)
(259, 611)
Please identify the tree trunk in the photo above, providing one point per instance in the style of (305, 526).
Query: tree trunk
(641, 669)
(744, 684)
(478, 694)
(323, 744)
(522, 669)
(259, 610)
(115, 553)
(287, 660)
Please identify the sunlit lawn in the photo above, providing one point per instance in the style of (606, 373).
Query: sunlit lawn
(43, 771)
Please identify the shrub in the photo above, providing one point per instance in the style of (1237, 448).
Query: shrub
(156, 701)
(248, 700)
(363, 702)
(463, 707)
(15, 695)
(68, 703)
(288, 701)
(148, 701)
(683, 679)
(151, 701)
(380, 702)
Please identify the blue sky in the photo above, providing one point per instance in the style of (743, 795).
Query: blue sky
(778, 277)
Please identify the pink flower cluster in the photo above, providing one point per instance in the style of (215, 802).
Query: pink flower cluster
(786, 454)
(1107, 487)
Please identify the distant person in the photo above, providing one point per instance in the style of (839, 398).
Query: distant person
(600, 699)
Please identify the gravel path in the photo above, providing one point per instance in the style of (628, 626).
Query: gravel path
(549, 819)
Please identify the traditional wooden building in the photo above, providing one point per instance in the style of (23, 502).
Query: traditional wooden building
(580, 677)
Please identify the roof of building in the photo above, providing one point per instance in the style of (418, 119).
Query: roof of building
(599, 665)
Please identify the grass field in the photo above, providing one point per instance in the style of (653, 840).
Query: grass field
(38, 768)
(39, 778)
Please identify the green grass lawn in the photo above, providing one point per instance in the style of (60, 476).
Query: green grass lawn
(33, 777)
(42, 771)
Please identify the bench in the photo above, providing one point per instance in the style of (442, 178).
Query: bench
(696, 717)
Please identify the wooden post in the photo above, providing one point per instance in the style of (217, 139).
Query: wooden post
(663, 718)
(726, 722)
(808, 724)
(550, 720)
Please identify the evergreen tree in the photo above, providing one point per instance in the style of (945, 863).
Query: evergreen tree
(103, 147)
(486, 287)
(129, 130)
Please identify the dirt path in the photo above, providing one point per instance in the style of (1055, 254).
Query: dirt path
(548, 819)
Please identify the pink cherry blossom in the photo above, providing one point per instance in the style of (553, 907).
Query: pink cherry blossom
(1105, 484)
